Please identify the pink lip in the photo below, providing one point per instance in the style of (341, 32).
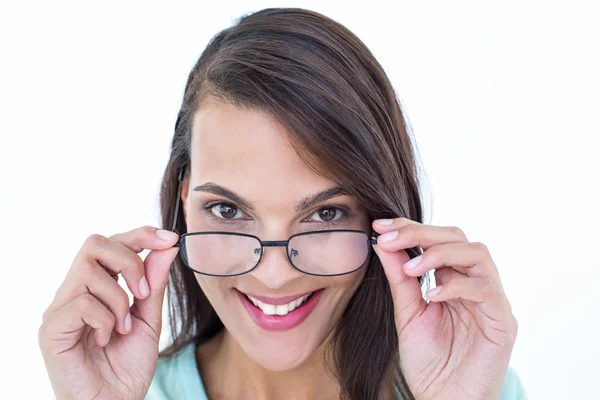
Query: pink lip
(283, 322)
(277, 301)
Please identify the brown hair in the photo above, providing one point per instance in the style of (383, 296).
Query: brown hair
(324, 85)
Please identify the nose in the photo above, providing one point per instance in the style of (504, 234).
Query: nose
(274, 269)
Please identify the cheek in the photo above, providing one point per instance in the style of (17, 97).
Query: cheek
(341, 289)
(349, 283)
(215, 289)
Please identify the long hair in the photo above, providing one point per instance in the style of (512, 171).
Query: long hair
(323, 84)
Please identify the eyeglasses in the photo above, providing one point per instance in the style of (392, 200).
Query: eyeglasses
(320, 253)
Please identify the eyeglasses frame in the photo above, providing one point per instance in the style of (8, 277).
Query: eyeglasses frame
(263, 243)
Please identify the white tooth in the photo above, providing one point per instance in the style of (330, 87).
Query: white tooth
(281, 309)
(268, 309)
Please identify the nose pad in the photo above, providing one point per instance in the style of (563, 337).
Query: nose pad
(257, 253)
(274, 269)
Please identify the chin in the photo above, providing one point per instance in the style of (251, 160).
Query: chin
(272, 343)
(284, 342)
(278, 355)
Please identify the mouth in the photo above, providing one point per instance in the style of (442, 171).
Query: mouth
(280, 316)
(280, 309)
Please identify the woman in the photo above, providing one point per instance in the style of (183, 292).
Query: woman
(289, 136)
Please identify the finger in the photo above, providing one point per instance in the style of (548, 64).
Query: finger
(137, 240)
(443, 275)
(406, 291)
(157, 265)
(473, 289)
(472, 259)
(116, 254)
(104, 287)
(403, 233)
(484, 291)
(112, 257)
(73, 317)
(112, 295)
(386, 225)
(146, 237)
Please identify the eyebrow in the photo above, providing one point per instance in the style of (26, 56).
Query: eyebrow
(304, 204)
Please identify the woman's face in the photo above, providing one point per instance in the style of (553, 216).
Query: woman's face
(248, 154)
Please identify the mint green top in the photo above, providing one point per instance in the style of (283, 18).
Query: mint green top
(178, 378)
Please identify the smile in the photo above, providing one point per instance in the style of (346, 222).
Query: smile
(283, 309)
(282, 316)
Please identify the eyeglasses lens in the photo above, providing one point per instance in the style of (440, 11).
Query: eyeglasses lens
(323, 253)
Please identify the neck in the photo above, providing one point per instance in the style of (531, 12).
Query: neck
(228, 372)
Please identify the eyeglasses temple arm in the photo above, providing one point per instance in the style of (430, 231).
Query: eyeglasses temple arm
(180, 179)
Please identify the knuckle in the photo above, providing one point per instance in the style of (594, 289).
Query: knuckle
(85, 269)
(434, 252)
(134, 263)
(89, 266)
(94, 241)
(148, 230)
(488, 287)
(84, 303)
(41, 336)
(45, 315)
(412, 229)
(458, 232)
(433, 256)
(41, 332)
(515, 326)
(481, 248)
(512, 330)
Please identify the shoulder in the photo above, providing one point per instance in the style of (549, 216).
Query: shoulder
(512, 388)
(177, 377)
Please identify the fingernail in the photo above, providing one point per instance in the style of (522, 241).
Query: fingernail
(412, 264)
(166, 235)
(388, 237)
(384, 221)
(434, 291)
(128, 322)
(107, 340)
(144, 289)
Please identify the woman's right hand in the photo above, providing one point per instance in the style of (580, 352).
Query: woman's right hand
(82, 362)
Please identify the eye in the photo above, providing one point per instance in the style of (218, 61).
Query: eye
(226, 211)
(328, 214)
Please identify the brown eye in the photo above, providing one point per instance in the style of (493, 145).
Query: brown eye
(327, 214)
(225, 211)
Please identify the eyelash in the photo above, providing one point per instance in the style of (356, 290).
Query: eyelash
(346, 213)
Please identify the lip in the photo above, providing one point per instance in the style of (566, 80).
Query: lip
(283, 322)
(278, 301)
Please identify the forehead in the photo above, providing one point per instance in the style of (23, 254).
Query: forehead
(249, 152)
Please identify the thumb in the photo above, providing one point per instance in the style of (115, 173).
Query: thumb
(406, 291)
(157, 265)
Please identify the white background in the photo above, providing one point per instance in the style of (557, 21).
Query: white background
(502, 98)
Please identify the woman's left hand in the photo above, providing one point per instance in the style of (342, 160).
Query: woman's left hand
(458, 345)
